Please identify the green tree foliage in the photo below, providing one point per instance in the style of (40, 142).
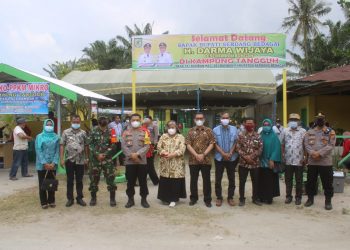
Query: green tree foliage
(105, 55)
(59, 69)
(304, 18)
(326, 51)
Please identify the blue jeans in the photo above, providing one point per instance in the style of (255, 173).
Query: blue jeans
(20, 158)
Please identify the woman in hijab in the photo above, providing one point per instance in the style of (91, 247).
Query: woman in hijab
(171, 148)
(269, 160)
(47, 157)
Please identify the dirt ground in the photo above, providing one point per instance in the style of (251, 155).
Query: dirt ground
(24, 225)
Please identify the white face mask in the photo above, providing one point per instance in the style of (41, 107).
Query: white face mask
(135, 124)
(225, 122)
(171, 131)
(199, 122)
(293, 124)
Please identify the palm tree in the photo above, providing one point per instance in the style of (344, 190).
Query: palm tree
(59, 69)
(105, 55)
(304, 17)
(326, 51)
(127, 43)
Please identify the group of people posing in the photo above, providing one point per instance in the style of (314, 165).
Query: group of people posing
(262, 155)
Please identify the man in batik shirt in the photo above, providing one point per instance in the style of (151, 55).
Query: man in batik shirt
(249, 147)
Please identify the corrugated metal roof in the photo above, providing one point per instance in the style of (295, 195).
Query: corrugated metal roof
(332, 75)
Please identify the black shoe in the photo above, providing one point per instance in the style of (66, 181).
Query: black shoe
(166, 203)
(81, 202)
(328, 204)
(93, 200)
(69, 203)
(192, 203)
(144, 203)
(288, 200)
(309, 202)
(208, 204)
(241, 203)
(256, 202)
(130, 203)
(298, 201)
(112, 201)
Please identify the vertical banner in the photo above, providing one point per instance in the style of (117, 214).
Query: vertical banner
(24, 98)
(208, 51)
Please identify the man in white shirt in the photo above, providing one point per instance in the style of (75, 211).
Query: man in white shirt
(20, 150)
(164, 59)
(146, 59)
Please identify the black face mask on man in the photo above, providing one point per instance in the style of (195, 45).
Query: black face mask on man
(320, 122)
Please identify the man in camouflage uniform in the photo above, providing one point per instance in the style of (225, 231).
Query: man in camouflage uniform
(319, 143)
(101, 153)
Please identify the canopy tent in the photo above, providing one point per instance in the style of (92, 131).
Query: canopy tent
(58, 87)
(256, 82)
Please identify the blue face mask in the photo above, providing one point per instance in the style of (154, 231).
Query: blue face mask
(293, 124)
(267, 129)
(48, 129)
(75, 126)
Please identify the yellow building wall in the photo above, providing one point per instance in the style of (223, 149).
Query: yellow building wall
(336, 109)
(140, 112)
(295, 106)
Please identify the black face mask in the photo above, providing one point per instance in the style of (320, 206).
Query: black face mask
(320, 122)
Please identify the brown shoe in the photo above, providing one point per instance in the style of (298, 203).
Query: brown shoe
(230, 202)
(218, 203)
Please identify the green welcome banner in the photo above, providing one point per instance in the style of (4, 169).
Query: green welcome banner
(208, 51)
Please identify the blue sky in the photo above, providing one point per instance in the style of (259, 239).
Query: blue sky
(35, 33)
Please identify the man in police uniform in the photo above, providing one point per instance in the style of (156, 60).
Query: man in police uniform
(319, 143)
(135, 145)
(146, 59)
(164, 59)
(101, 152)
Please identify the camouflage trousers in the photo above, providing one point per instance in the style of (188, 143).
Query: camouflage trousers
(108, 169)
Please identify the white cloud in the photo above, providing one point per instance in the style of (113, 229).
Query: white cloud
(26, 40)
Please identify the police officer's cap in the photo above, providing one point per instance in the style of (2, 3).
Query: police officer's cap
(147, 45)
(162, 44)
(320, 115)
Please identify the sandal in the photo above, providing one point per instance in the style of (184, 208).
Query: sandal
(45, 206)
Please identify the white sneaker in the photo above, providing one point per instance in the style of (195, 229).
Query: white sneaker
(172, 204)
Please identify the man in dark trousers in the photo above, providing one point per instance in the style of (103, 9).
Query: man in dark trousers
(135, 145)
(319, 143)
(200, 141)
(74, 146)
(225, 158)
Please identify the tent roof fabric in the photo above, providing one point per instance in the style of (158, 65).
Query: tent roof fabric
(59, 87)
(118, 81)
